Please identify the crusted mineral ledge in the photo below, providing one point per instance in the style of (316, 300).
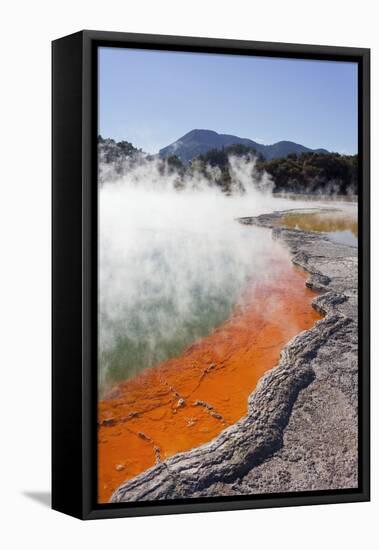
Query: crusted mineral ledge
(300, 431)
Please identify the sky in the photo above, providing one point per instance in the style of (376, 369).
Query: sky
(152, 98)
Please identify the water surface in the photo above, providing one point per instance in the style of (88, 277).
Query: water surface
(189, 399)
(341, 226)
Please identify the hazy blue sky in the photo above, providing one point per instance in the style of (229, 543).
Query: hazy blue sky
(152, 98)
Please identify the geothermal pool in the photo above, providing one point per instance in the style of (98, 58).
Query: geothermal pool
(187, 400)
(193, 308)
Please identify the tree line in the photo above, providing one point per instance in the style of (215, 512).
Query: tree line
(309, 173)
(305, 173)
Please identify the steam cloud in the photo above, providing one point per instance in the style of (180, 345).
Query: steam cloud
(173, 261)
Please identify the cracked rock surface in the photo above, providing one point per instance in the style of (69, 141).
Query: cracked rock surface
(301, 429)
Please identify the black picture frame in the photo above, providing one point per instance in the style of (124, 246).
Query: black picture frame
(74, 272)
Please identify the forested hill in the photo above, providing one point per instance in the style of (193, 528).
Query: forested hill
(309, 172)
(111, 151)
(329, 173)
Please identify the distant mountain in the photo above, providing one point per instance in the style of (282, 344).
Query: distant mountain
(284, 148)
(198, 142)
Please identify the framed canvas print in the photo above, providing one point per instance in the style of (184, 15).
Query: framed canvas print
(210, 274)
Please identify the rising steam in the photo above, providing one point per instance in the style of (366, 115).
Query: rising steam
(173, 260)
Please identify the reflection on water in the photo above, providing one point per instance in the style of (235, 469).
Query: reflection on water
(343, 237)
(340, 226)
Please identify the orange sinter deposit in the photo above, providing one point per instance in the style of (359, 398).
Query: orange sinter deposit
(186, 401)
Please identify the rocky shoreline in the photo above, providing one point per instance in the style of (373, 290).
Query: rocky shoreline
(301, 429)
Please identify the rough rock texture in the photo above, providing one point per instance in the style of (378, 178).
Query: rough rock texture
(300, 432)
